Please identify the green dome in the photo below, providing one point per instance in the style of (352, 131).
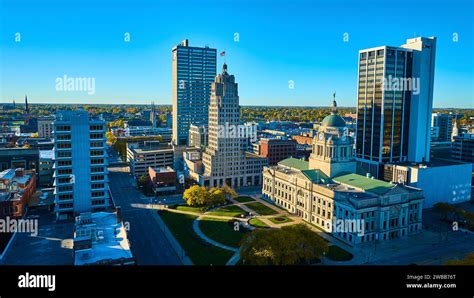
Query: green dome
(333, 120)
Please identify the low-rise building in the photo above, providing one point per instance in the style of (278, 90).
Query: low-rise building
(303, 139)
(17, 186)
(277, 149)
(149, 154)
(45, 172)
(100, 238)
(12, 158)
(163, 180)
(441, 180)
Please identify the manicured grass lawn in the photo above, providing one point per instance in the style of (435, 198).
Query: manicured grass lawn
(280, 219)
(222, 231)
(190, 209)
(230, 210)
(261, 209)
(244, 199)
(336, 253)
(257, 223)
(199, 251)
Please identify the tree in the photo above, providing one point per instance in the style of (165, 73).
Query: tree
(468, 260)
(290, 245)
(110, 138)
(229, 191)
(142, 181)
(217, 197)
(444, 209)
(196, 195)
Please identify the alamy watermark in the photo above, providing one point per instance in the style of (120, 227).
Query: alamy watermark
(390, 83)
(232, 131)
(13, 225)
(346, 226)
(82, 84)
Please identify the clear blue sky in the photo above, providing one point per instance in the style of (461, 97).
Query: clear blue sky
(279, 41)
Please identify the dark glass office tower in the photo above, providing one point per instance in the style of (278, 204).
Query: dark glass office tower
(394, 104)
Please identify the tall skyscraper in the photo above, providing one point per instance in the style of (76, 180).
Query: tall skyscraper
(224, 160)
(444, 127)
(394, 103)
(193, 71)
(80, 164)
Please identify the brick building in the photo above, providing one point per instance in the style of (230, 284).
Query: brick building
(277, 149)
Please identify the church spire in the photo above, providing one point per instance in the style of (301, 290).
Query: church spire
(27, 109)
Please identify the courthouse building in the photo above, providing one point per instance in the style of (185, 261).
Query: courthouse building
(326, 191)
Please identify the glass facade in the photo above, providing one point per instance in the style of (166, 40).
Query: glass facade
(194, 70)
(383, 104)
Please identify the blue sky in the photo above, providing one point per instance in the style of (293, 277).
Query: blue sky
(279, 41)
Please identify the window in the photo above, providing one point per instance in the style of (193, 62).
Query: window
(63, 128)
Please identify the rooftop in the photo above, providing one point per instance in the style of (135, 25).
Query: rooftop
(46, 154)
(316, 176)
(367, 184)
(163, 169)
(333, 120)
(10, 175)
(109, 239)
(294, 163)
(150, 147)
(434, 162)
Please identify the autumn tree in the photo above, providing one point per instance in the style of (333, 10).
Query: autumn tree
(444, 209)
(110, 138)
(200, 196)
(229, 191)
(290, 245)
(216, 197)
(196, 195)
(468, 260)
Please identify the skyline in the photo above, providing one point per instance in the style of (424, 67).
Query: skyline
(58, 40)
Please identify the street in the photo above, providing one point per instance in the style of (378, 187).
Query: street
(148, 242)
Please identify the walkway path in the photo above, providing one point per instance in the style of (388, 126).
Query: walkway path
(198, 231)
(236, 257)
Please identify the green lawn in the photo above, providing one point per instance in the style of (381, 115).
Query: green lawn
(222, 231)
(230, 210)
(261, 209)
(244, 199)
(190, 209)
(257, 223)
(280, 219)
(199, 251)
(336, 253)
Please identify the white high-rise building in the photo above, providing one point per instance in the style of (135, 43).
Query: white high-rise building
(394, 103)
(80, 164)
(421, 108)
(193, 71)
